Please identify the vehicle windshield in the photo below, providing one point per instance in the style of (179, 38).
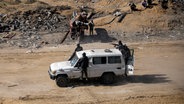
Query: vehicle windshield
(73, 60)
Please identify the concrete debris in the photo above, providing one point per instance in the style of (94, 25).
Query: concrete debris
(29, 51)
(9, 36)
(2, 41)
(122, 16)
(118, 13)
(30, 24)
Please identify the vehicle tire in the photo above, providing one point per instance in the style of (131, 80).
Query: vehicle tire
(62, 81)
(108, 78)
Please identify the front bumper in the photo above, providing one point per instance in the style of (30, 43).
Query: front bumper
(51, 75)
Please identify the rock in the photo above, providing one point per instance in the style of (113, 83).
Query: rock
(2, 41)
(29, 51)
(122, 16)
(94, 1)
(29, 24)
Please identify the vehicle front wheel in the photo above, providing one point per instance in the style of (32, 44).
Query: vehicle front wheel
(62, 81)
(108, 78)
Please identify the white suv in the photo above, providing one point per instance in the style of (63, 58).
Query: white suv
(103, 63)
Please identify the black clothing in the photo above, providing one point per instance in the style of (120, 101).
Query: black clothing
(84, 71)
(133, 7)
(144, 4)
(78, 48)
(127, 54)
(125, 51)
(164, 4)
(119, 45)
(91, 27)
(84, 63)
(149, 2)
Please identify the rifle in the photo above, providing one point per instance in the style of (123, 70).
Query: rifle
(115, 45)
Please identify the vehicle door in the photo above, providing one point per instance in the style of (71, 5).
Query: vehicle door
(115, 64)
(97, 66)
(75, 71)
(130, 63)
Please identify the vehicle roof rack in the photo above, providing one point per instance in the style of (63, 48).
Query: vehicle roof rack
(92, 51)
(107, 50)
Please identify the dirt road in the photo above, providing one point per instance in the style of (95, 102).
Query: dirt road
(158, 77)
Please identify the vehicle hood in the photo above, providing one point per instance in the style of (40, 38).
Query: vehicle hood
(60, 65)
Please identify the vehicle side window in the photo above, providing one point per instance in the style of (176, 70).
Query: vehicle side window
(90, 61)
(114, 59)
(99, 60)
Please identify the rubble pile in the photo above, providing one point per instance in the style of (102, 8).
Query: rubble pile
(32, 23)
(41, 19)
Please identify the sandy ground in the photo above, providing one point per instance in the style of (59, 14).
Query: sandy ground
(158, 77)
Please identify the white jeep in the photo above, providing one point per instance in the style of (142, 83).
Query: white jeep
(103, 63)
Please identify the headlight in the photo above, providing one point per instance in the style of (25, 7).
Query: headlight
(54, 72)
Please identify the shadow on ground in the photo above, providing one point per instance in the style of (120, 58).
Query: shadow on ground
(149, 79)
(100, 36)
(146, 79)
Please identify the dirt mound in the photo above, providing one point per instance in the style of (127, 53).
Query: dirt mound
(151, 24)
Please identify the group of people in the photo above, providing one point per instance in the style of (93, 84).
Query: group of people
(83, 63)
(145, 4)
(149, 3)
(80, 21)
(124, 50)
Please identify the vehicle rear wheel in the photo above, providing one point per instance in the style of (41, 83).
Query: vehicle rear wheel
(62, 81)
(108, 78)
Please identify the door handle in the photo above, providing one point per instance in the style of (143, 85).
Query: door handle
(118, 68)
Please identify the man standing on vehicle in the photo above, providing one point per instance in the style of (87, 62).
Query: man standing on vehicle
(78, 48)
(124, 50)
(84, 63)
